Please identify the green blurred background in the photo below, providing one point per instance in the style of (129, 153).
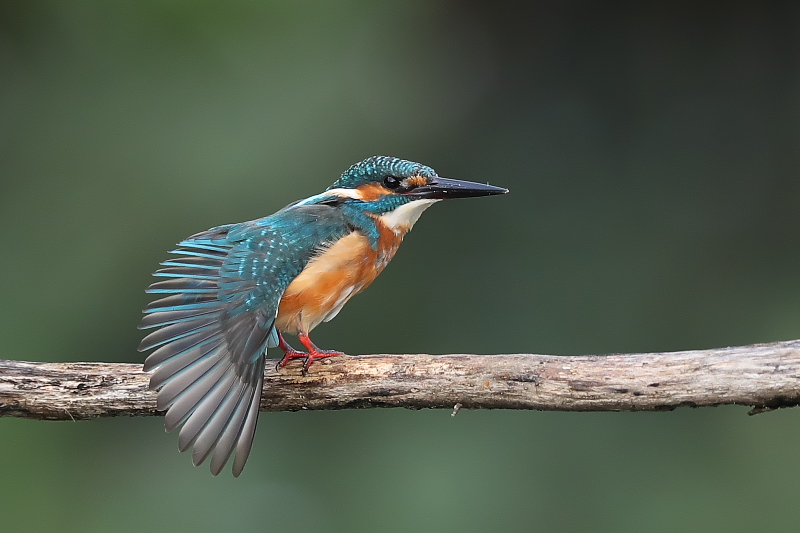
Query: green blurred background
(652, 155)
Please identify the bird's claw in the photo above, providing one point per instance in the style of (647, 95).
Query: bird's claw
(308, 358)
(318, 354)
(288, 356)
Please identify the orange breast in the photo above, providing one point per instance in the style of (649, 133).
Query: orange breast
(332, 278)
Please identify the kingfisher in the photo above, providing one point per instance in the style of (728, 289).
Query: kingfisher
(231, 292)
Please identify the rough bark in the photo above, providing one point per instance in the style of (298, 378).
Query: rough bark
(765, 376)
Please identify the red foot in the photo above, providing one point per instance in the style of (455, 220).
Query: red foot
(312, 355)
(289, 353)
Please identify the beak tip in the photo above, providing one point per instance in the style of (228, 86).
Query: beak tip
(492, 191)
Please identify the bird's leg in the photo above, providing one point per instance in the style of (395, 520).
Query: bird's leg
(289, 353)
(314, 352)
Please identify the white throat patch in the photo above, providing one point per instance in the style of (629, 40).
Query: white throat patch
(404, 217)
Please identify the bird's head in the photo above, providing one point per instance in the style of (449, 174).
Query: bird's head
(398, 191)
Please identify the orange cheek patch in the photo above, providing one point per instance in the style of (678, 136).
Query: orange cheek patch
(372, 191)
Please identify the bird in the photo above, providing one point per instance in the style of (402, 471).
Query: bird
(228, 294)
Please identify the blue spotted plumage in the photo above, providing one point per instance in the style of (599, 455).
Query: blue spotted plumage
(231, 292)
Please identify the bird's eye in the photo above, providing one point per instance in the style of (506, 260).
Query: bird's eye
(390, 182)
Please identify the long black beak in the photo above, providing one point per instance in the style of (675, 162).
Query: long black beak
(443, 188)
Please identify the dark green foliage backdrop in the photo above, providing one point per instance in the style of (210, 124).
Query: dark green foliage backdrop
(652, 154)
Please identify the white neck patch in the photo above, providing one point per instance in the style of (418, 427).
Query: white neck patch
(404, 217)
(347, 193)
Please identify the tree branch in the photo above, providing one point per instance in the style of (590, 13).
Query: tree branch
(765, 376)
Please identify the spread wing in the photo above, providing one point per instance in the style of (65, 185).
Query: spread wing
(216, 319)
